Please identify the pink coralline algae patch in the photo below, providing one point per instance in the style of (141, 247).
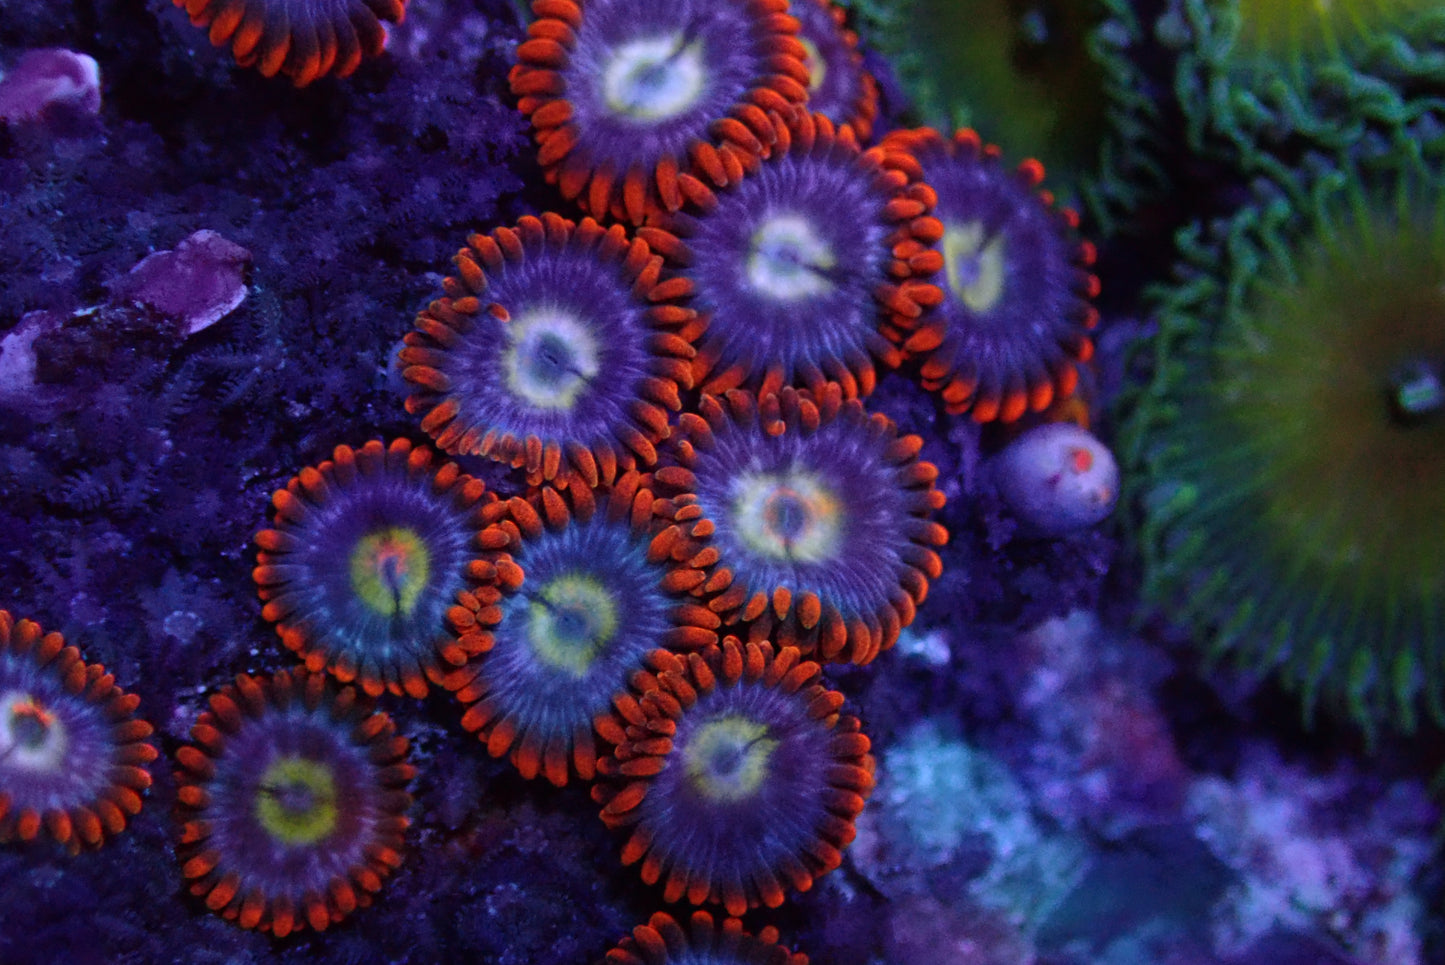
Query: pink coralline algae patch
(199, 283)
(1317, 852)
(17, 352)
(42, 78)
(1106, 756)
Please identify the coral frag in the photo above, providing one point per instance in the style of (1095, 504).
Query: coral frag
(639, 107)
(558, 348)
(370, 550)
(1014, 284)
(738, 779)
(300, 39)
(73, 754)
(207, 277)
(294, 802)
(817, 514)
(839, 86)
(792, 268)
(666, 941)
(599, 594)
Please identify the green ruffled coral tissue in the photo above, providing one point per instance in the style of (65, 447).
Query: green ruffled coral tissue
(1270, 76)
(1290, 451)
(1054, 80)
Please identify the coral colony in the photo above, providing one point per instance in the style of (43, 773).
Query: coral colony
(636, 483)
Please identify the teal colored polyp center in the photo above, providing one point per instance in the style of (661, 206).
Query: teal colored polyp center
(654, 79)
(389, 570)
(296, 800)
(727, 759)
(32, 738)
(789, 260)
(551, 359)
(570, 621)
(788, 515)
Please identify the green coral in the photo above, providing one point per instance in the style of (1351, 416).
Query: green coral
(1055, 80)
(1268, 79)
(1289, 466)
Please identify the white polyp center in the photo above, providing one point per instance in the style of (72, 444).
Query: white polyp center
(789, 260)
(655, 78)
(551, 358)
(975, 265)
(788, 514)
(31, 737)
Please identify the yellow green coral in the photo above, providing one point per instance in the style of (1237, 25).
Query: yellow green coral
(1288, 455)
(1266, 79)
(1058, 80)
